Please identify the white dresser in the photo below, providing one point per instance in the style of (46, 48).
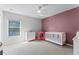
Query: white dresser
(29, 36)
(76, 44)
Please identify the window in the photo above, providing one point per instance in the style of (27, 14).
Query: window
(14, 28)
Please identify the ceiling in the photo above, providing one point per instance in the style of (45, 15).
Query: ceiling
(31, 9)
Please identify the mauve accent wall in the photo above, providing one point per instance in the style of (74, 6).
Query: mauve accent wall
(67, 21)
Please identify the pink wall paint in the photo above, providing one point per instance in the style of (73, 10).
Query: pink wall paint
(67, 21)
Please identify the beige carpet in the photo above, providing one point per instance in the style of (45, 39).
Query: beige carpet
(37, 48)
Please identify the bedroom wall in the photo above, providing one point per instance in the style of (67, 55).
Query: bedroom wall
(0, 27)
(67, 21)
(27, 24)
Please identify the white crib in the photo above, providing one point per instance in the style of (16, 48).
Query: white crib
(56, 37)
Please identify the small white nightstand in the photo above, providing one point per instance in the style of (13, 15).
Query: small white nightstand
(30, 36)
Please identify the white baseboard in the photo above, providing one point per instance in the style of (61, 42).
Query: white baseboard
(69, 44)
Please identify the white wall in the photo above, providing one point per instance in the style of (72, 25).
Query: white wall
(27, 24)
(0, 27)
